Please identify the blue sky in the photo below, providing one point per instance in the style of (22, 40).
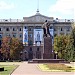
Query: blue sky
(63, 9)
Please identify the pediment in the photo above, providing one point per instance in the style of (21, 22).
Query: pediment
(37, 18)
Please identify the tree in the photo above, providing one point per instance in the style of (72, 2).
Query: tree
(73, 43)
(11, 48)
(69, 49)
(70, 46)
(65, 46)
(60, 45)
(15, 48)
(5, 47)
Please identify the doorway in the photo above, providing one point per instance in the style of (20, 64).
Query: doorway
(30, 54)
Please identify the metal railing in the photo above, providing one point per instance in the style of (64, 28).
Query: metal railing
(22, 20)
(11, 20)
(64, 20)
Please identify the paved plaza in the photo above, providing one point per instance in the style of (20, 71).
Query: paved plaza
(31, 69)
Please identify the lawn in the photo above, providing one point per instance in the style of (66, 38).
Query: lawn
(8, 69)
(56, 67)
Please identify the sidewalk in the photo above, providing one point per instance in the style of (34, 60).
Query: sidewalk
(31, 69)
(72, 64)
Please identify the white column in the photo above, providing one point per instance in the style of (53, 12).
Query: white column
(58, 31)
(64, 30)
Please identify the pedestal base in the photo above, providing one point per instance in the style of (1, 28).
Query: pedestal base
(47, 48)
(48, 61)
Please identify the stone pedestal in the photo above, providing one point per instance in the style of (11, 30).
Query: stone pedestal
(47, 48)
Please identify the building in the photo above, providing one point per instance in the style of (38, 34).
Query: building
(26, 30)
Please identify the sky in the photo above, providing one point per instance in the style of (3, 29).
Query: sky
(17, 9)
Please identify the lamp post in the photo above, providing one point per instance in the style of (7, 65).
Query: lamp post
(56, 54)
(52, 54)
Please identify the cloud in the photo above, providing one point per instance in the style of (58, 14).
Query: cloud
(4, 5)
(65, 7)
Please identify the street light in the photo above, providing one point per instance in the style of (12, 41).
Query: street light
(52, 54)
(56, 54)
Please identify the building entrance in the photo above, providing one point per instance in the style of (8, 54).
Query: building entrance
(30, 54)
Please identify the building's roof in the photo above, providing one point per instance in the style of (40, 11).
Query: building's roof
(38, 14)
(37, 18)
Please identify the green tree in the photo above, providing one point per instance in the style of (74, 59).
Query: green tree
(69, 49)
(15, 48)
(70, 46)
(73, 44)
(65, 46)
(60, 45)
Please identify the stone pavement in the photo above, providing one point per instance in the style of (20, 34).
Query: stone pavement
(31, 69)
(72, 64)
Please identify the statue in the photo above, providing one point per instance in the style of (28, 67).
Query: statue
(46, 29)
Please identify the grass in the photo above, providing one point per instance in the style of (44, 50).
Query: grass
(56, 67)
(10, 63)
(8, 69)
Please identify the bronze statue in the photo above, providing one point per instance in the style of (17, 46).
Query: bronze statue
(46, 29)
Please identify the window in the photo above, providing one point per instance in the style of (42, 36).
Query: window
(0, 35)
(54, 29)
(0, 44)
(30, 35)
(61, 29)
(14, 35)
(14, 29)
(7, 34)
(68, 28)
(25, 27)
(20, 29)
(38, 49)
(7, 29)
(51, 27)
(30, 28)
(20, 35)
(0, 29)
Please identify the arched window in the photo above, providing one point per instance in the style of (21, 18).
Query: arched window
(7, 29)
(14, 29)
(61, 29)
(20, 29)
